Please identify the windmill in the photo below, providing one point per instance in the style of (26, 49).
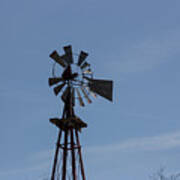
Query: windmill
(74, 84)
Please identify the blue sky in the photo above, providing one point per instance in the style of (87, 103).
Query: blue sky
(135, 43)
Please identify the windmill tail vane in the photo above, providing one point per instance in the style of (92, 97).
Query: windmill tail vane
(73, 85)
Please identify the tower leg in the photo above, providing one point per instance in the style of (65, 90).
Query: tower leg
(80, 156)
(69, 142)
(65, 155)
(56, 155)
(73, 156)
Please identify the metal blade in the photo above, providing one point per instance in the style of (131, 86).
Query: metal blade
(92, 93)
(85, 95)
(65, 59)
(65, 94)
(58, 88)
(82, 57)
(79, 97)
(85, 65)
(55, 56)
(53, 81)
(68, 52)
(88, 71)
(102, 87)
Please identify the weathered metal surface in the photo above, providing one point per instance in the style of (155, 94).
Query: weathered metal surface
(58, 88)
(83, 66)
(65, 94)
(88, 71)
(53, 81)
(55, 56)
(102, 87)
(81, 103)
(68, 123)
(91, 93)
(82, 57)
(68, 52)
(80, 156)
(65, 156)
(73, 155)
(85, 95)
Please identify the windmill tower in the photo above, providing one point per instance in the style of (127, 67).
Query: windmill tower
(75, 83)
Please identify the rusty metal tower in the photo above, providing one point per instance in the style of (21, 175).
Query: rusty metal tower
(76, 82)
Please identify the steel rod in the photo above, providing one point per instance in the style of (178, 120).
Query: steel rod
(65, 155)
(80, 156)
(73, 156)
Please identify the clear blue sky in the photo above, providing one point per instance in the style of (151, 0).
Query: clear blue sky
(134, 42)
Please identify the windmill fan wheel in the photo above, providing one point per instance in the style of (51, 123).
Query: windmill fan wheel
(76, 77)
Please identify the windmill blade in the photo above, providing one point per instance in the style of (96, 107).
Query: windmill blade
(88, 71)
(79, 97)
(55, 56)
(82, 57)
(58, 88)
(102, 87)
(68, 53)
(65, 94)
(92, 93)
(85, 95)
(83, 66)
(65, 58)
(53, 81)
